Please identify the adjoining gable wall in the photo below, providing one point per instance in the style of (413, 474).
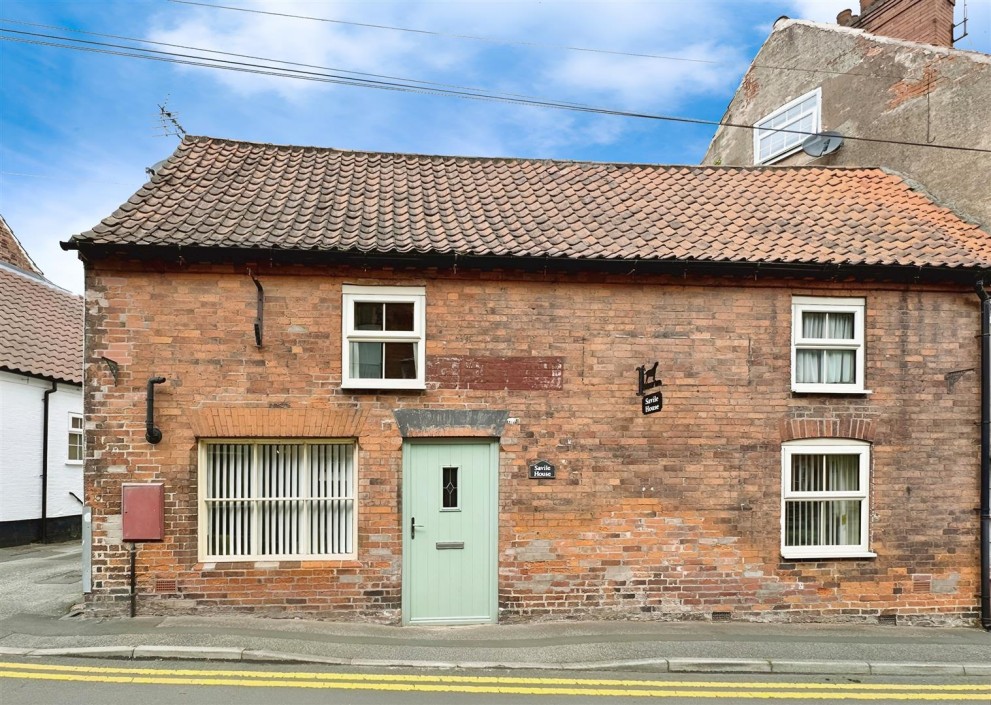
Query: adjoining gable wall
(672, 515)
(875, 87)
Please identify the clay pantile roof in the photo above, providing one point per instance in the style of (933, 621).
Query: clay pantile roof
(41, 327)
(224, 194)
(12, 252)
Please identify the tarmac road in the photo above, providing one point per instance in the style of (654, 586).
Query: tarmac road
(40, 579)
(29, 681)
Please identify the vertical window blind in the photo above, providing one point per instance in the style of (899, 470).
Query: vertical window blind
(279, 500)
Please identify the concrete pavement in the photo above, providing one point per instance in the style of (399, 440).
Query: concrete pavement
(36, 591)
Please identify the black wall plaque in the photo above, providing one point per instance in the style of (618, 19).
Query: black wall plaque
(651, 403)
(541, 470)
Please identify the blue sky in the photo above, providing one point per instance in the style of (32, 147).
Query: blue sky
(78, 129)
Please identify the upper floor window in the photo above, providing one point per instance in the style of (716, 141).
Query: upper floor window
(75, 454)
(383, 345)
(782, 132)
(824, 513)
(827, 345)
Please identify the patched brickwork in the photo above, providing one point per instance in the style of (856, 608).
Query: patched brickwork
(672, 515)
(493, 373)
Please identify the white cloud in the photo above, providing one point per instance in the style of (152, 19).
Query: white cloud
(823, 10)
(85, 195)
(316, 44)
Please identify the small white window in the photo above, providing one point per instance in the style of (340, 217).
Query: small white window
(383, 345)
(827, 345)
(75, 454)
(782, 132)
(276, 500)
(825, 511)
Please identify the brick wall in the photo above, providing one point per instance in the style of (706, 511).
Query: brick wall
(923, 21)
(671, 515)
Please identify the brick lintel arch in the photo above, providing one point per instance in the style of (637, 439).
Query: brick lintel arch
(798, 429)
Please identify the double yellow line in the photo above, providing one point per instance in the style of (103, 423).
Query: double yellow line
(602, 687)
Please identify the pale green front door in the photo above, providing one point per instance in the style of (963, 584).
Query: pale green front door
(450, 532)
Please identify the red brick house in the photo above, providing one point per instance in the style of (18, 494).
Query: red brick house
(455, 390)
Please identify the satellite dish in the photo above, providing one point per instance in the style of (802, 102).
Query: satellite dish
(821, 144)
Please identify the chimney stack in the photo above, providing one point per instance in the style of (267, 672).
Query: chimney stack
(923, 21)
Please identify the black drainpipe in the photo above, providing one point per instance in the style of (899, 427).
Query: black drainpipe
(44, 463)
(985, 455)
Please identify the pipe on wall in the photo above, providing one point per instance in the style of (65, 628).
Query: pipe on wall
(44, 462)
(985, 454)
(152, 434)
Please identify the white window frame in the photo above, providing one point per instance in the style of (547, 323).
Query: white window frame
(793, 146)
(353, 294)
(80, 432)
(204, 515)
(818, 304)
(828, 446)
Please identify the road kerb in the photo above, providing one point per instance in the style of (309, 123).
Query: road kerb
(917, 669)
(859, 668)
(189, 653)
(718, 665)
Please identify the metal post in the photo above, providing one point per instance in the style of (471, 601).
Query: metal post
(134, 591)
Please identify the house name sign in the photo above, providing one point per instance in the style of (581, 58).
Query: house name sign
(541, 470)
(650, 403)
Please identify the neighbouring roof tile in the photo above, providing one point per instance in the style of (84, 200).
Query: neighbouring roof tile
(225, 194)
(41, 327)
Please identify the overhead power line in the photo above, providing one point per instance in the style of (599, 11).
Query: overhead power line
(518, 42)
(401, 85)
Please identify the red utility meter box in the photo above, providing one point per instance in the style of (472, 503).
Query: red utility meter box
(143, 509)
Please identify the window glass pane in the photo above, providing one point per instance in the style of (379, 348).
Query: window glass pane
(332, 512)
(229, 481)
(840, 366)
(75, 446)
(822, 522)
(450, 488)
(813, 324)
(366, 360)
(367, 315)
(808, 365)
(825, 473)
(399, 316)
(76, 422)
(841, 326)
(842, 473)
(400, 360)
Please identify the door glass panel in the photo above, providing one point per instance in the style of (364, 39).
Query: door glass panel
(450, 488)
